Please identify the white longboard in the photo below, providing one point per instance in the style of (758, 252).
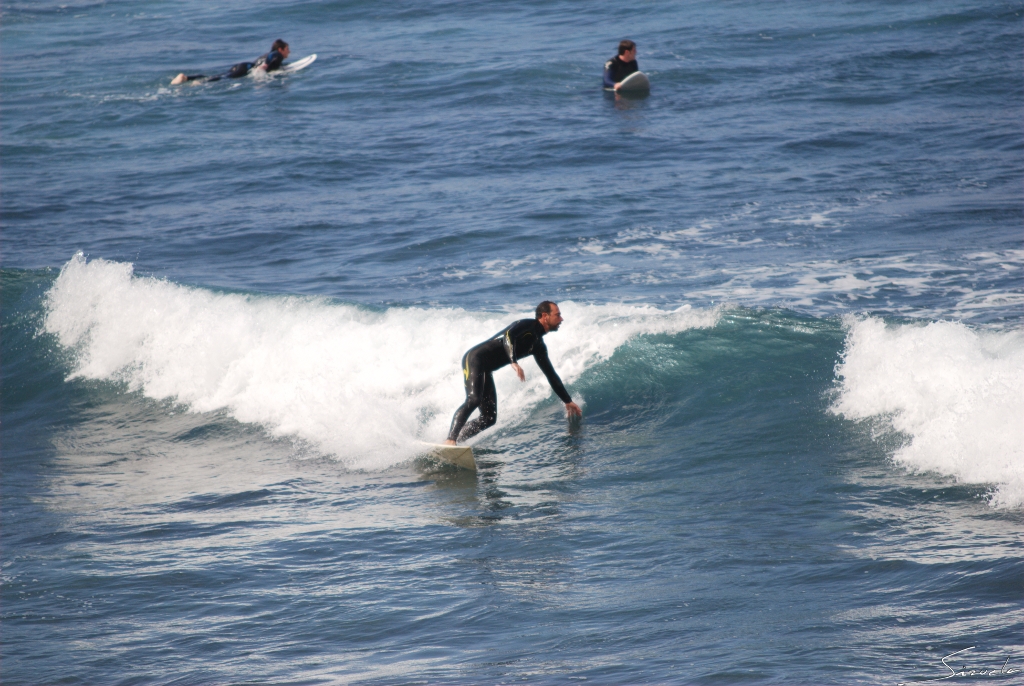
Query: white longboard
(297, 65)
(635, 83)
(458, 455)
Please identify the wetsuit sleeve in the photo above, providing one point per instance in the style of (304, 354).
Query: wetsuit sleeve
(274, 60)
(515, 334)
(540, 353)
(510, 344)
(609, 81)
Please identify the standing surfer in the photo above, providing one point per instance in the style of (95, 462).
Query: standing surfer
(520, 339)
(279, 52)
(620, 66)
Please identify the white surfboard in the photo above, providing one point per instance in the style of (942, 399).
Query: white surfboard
(637, 82)
(458, 455)
(297, 65)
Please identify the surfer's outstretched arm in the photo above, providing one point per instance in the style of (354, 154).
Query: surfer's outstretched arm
(540, 354)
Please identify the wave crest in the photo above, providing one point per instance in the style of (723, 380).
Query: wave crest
(357, 384)
(956, 392)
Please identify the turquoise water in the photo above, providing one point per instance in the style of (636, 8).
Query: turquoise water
(792, 283)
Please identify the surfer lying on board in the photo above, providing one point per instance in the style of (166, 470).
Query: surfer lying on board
(620, 66)
(279, 52)
(518, 340)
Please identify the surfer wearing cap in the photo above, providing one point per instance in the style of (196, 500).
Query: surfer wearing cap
(520, 339)
(279, 52)
(620, 66)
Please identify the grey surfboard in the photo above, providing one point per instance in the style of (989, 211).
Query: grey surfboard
(637, 82)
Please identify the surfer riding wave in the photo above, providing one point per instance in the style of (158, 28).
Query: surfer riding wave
(518, 340)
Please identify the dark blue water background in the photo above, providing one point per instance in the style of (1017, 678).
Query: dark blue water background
(710, 521)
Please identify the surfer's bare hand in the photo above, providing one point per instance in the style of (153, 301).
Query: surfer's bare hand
(449, 442)
(519, 371)
(573, 410)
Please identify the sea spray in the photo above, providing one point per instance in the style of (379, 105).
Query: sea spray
(360, 385)
(957, 393)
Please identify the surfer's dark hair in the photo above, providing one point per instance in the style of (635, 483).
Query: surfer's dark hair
(625, 46)
(278, 44)
(544, 308)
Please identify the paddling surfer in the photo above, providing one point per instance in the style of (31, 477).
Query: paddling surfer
(518, 340)
(279, 52)
(620, 66)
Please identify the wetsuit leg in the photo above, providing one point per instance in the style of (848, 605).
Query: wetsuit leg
(488, 410)
(239, 70)
(206, 79)
(236, 72)
(480, 393)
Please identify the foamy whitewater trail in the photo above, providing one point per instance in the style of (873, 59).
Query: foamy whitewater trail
(359, 385)
(957, 393)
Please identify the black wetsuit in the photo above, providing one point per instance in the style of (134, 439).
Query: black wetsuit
(615, 70)
(519, 340)
(272, 59)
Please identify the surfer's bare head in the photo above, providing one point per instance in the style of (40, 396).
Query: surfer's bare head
(549, 315)
(627, 46)
(281, 47)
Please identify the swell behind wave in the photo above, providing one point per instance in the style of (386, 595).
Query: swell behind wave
(956, 392)
(356, 384)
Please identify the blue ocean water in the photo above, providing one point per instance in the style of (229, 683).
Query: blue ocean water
(793, 283)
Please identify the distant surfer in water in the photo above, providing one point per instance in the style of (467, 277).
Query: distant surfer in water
(279, 52)
(520, 339)
(620, 66)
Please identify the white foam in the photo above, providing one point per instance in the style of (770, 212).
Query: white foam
(362, 386)
(906, 285)
(956, 392)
